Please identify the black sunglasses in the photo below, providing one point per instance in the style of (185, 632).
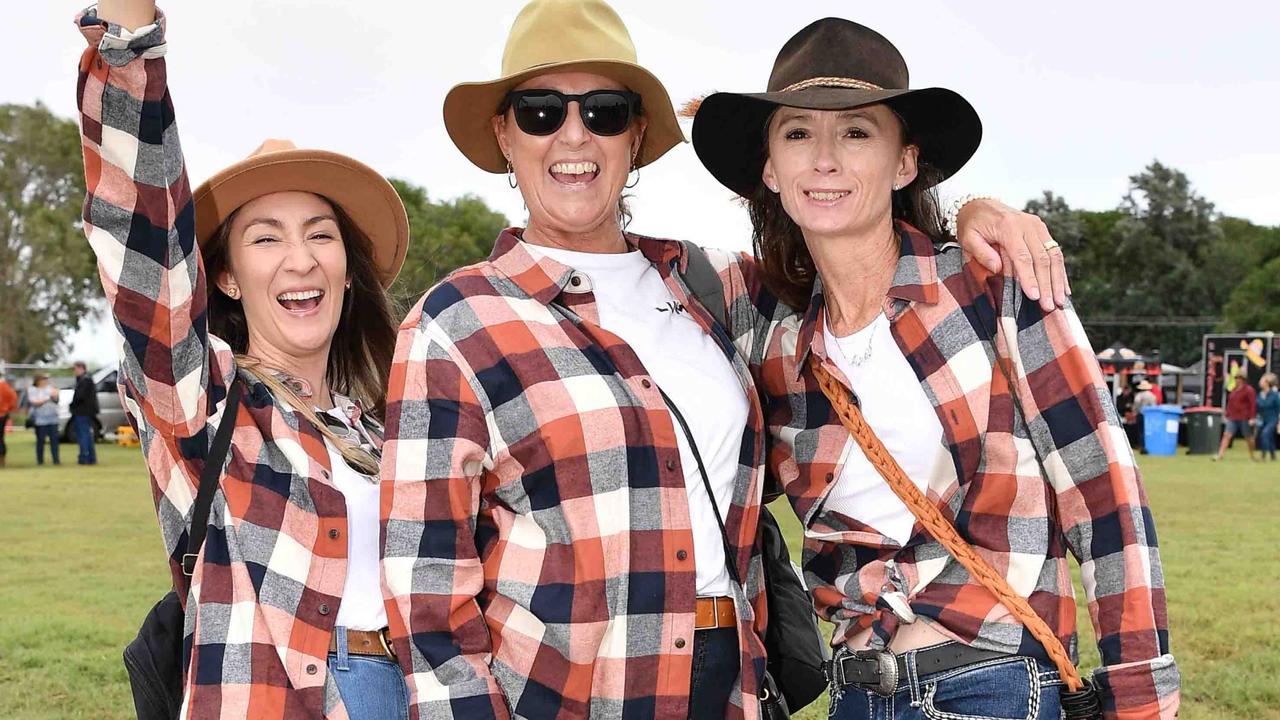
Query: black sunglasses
(542, 112)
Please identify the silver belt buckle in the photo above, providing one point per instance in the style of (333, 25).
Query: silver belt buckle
(887, 662)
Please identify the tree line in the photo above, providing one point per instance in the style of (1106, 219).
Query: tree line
(1155, 273)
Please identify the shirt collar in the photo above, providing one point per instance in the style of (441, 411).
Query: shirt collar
(914, 280)
(543, 278)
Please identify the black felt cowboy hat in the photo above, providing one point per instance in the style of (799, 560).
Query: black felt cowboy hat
(833, 64)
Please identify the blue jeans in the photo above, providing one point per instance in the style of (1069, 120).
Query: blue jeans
(371, 687)
(83, 425)
(49, 433)
(1013, 688)
(716, 662)
(1267, 438)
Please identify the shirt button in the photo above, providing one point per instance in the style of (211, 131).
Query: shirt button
(324, 609)
(312, 669)
(325, 474)
(671, 464)
(681, 555)
(830, 477)
(575, 281)
(333, 534)
(679, 643)
(646, 384)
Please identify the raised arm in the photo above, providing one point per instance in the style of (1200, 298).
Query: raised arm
(1101, 505)
(436, 451)
(139, 218)
(129, 14)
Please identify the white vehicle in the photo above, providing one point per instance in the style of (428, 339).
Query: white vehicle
(110, 411)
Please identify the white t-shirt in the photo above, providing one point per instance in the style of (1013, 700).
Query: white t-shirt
(896, 407)
(635, 304)
(361, 607)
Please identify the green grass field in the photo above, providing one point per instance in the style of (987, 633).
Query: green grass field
(80, 565)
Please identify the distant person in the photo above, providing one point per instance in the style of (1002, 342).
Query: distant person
(84, 415)
(1144, 399)
(1242, 407)
(1124, 408)
(43, 399)
(1157, 391)
(1268, 415)
(8, 403)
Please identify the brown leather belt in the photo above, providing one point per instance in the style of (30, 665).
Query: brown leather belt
(366, 642)
(714, 612)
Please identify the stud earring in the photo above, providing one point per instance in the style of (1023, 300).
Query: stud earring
(896, 187)
(233, 292)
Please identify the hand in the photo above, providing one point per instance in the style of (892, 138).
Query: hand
(984, 225)
(130, 14)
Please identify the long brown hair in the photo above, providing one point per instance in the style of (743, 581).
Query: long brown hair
(364, 342)
(785, 262)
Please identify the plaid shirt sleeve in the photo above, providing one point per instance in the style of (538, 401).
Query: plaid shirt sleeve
(437, 446)
(1102, 507)
(139, 220)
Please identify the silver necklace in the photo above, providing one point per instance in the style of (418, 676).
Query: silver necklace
(862, 357)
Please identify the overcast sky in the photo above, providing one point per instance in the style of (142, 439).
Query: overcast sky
(1074, 97)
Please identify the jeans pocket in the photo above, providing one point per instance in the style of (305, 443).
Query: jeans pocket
(1005, 689)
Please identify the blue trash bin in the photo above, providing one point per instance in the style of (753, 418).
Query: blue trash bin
(1160, 429)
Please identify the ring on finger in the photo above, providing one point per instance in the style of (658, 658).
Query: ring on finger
(1052, 244)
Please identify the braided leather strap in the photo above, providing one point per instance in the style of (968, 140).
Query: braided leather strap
(938, 526)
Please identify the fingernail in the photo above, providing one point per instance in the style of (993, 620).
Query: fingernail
(1033, 293)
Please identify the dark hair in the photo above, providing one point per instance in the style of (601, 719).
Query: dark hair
(364, 342)
(785, 264)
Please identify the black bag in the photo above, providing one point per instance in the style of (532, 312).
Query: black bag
(792, 639)
(155, 660)
(797, 652)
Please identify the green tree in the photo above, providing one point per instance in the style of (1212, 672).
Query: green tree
(1148, 272)
(47, 272)
(444, 236)
(1254, 303)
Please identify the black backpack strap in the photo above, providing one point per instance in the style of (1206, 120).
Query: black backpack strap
(209, 478)
(704, 283)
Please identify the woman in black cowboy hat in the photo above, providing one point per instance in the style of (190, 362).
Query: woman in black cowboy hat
(993, 406)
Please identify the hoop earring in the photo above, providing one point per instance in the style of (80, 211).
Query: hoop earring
(511, 176)
(632, 183)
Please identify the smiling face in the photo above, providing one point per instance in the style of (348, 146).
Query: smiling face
(287, 264)
(572, 179)
(835, 170)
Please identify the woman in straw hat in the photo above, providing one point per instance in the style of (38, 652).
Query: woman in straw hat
(994, 408)
(266, 284)
(567, 426)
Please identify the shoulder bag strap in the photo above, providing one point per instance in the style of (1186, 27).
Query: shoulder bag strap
(938, 526)
(704, 283)
(209, 478)
(729, 563)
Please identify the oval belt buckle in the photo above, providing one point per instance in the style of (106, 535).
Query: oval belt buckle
(384, 636)
(887, 664)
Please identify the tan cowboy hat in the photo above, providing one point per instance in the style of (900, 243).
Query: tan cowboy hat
(279, 166)
(551, 36)
(1144, 385)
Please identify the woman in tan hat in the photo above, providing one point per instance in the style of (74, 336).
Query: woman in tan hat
(568, 427)
(264, 289)
(966, 406)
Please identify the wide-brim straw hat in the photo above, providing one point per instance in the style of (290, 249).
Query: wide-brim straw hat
(832, 64)
(557, 36)
(279, 166)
